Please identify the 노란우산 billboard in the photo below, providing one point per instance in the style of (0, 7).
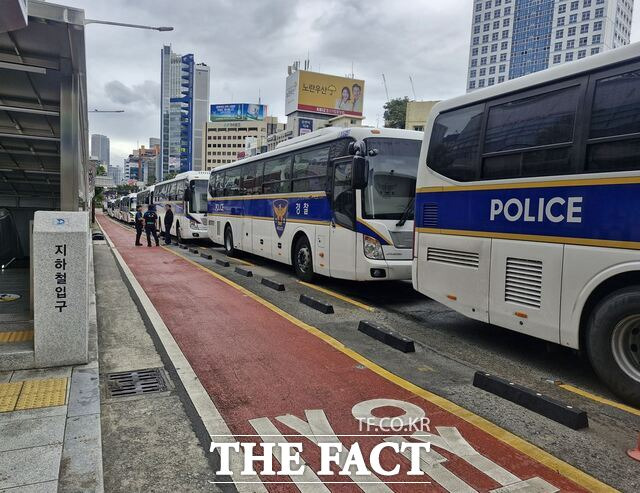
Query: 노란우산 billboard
(322, 93)
(237, 111)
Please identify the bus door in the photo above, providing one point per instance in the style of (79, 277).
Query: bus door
(342, 237)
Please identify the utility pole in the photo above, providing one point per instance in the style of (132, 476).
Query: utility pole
(386, 90)
(415, 98)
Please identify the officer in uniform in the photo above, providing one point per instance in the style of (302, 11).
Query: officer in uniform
(139, 224)
(151, 225)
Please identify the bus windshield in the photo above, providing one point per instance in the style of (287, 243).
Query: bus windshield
(198, 202)
(392, 178)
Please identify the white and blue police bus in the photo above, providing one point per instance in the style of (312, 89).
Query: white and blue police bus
(336, 202)
(128, 208)
(187, 196)
(528, 206)
(115, 208)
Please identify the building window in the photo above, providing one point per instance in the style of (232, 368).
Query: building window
(574, 5)
(586, 3)
(472, 73)
(504, 45)
(571, 44)
(483, 72)
(474, 52)
(501, 79)
(502, 68)
(584, 28)
(568, 57)
(491, 82)
(582, 54)
(573, 18)
(493, 59)
(503, 57)
(597, 26)
(559, 33)
(560, 21)
(557, 58)
(483, 50)
(586, 15)
(561, 9)
(583, 41)
(571, 31)
(599, 12)
(596, 39)
(492, 70)
(558, 46)
(595, 51)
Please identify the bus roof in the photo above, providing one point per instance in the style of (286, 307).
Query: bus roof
(557, 73)
(327, 135)
(189, 175)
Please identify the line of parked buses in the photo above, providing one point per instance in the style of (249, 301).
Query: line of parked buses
(518, 207)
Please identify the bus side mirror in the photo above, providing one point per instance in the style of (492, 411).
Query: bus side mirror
(187, 194)
(360, 172)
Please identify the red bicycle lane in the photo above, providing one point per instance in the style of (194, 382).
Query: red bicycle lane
(269, 373)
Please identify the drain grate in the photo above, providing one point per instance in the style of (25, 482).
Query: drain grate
(137, 382)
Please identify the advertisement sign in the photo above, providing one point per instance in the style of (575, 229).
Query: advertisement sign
(237, 111)
(305, 126)
(322, 93)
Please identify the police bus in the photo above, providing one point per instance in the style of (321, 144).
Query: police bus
(128, 208)
(527, 209)
(145, 197)
(336, 202)
(187, 196)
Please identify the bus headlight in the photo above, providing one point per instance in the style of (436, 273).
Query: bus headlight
(372, 248)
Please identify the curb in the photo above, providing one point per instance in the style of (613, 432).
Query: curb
(576, 419)
(243, 272)
(386, 336)
(270, 283)
(316, 304)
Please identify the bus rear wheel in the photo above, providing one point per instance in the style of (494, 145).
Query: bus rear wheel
(303, 259)
(228, 242)
(613, 343)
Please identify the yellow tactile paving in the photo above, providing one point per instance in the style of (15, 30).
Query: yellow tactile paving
(42, 393)
(9, 393)
(16, 336)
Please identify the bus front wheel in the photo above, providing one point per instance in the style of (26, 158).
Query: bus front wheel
(303, 259)
(228, 242)
(613, 342)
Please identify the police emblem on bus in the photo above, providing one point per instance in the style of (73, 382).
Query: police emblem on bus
(280, 209)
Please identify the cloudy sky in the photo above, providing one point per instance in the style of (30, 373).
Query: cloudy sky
(249, 43)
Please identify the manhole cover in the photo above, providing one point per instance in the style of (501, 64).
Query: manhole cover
(138, 382)
(7, 297)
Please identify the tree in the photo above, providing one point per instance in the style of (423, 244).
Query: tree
(170, 176)
(101, 171)
(395, 112)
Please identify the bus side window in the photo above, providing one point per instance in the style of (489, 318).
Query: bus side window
(219, 185)
(520, 132)
(454, 144)
(615, 122)
(277, 175)
(310, 170)
(249, 179)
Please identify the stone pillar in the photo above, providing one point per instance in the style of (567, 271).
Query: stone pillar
(61, 290)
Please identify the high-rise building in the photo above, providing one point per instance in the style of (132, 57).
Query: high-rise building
(100, 148)
(184, 107)
(512, 38)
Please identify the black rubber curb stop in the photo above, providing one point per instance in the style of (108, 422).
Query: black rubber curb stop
(243, 272)
(270, 283)
(184, 247)
(208, 256)
(386, 336)
(325, 308)
(221, 262)
(193, 250)
(576, 419)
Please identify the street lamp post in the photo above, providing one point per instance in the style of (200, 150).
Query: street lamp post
(124, 24)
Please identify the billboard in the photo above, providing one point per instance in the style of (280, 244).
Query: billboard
(305, 126)
(321, 93)
(237, 111)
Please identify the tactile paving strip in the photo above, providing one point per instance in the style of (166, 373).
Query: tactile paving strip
(42, 393)
(16, 336)
(9, 393)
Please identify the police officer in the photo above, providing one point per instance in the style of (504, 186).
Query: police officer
(139, 224)
(168, 222)
(151, 225)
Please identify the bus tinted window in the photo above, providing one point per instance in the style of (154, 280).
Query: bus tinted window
(616, 106)
(620, 155)
(250, 180)
(310, 170)
(232, 182)
(219, 184)
(531, 122)
(277, 175)
(453, 150)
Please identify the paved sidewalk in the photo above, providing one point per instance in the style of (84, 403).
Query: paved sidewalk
(50, 439)
(148, 439)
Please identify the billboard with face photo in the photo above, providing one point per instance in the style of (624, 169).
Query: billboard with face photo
(321, 93)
